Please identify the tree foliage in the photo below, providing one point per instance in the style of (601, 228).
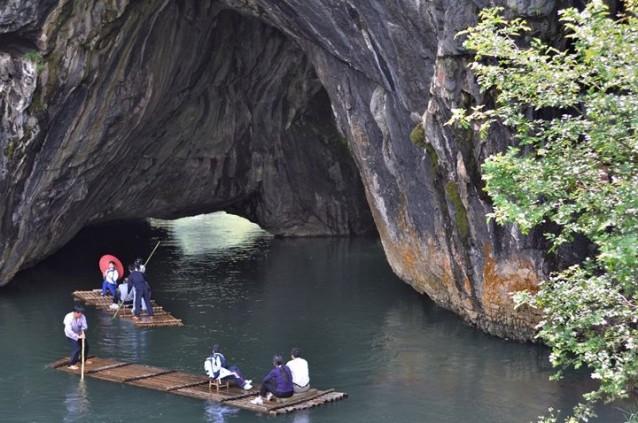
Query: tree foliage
(574, 117)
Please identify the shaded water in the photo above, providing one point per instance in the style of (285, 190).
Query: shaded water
(398, 356)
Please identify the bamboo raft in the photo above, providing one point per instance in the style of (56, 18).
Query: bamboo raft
(160, 316)
(195, 386)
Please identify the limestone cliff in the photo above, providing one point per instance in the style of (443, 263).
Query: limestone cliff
(302, 115)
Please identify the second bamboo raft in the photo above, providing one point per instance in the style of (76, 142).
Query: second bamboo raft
(160, 318)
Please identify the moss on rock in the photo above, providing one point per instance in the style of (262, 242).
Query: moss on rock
(417, 136)
(460, 212)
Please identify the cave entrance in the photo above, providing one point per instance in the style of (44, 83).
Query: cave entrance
(240, 122)
(188, 110)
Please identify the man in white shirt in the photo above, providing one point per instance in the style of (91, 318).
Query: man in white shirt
(299, 369)
(75, 327)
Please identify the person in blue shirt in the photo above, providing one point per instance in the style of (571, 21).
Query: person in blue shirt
(277, 382)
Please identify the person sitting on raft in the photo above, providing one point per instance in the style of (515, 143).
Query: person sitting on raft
(277, 382)
(217, 367)
(299, 368)
(110, 283)
(126, 294)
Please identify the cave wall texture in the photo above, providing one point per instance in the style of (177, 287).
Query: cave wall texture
(309, 117)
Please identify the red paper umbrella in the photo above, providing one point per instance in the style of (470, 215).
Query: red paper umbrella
(104, 264)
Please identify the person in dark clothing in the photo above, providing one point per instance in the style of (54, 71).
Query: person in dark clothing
(277, 382)
(142, 291)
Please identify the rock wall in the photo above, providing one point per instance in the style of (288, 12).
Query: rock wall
(287, 112)
(166, 109)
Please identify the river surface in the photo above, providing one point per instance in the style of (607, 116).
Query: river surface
(364, 332)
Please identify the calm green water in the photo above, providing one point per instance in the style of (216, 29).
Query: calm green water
(399, 357)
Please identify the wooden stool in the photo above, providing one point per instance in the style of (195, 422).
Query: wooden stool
(218, 384)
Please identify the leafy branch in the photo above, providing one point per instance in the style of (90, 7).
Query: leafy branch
(574, 118)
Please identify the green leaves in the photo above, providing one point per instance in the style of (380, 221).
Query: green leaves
(574, 117)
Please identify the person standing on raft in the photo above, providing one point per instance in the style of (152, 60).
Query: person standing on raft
(142, 291)
(75, 327)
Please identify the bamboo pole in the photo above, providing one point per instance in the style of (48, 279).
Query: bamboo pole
(82, 366)
(152, 252)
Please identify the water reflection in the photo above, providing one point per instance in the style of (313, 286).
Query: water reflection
(205, 258)
(302, 416)
(217, 413)
(121, 338)
(426, 356)
(219, 233)
(77, 404)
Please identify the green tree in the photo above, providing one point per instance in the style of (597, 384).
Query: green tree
(574, 118)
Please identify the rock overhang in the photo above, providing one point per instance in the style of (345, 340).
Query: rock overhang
(299, 112)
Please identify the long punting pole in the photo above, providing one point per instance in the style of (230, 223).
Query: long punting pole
(82, 365)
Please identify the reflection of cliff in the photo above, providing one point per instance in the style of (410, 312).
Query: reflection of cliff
(308, 117)
(428, 356)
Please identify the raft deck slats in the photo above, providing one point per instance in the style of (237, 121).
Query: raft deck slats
(240, 396)
(63, 362)
(146, 376)
(195, 386)
(127, 311)
(127, 374)
(314, 402)
(302, 399)
(172, 381)
(308, 399)
(107, 367)
(161, 317)
(201, 391)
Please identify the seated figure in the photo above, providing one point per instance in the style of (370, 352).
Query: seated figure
(216, 367)
(127, 295)
(277, 383)
(299, 368)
